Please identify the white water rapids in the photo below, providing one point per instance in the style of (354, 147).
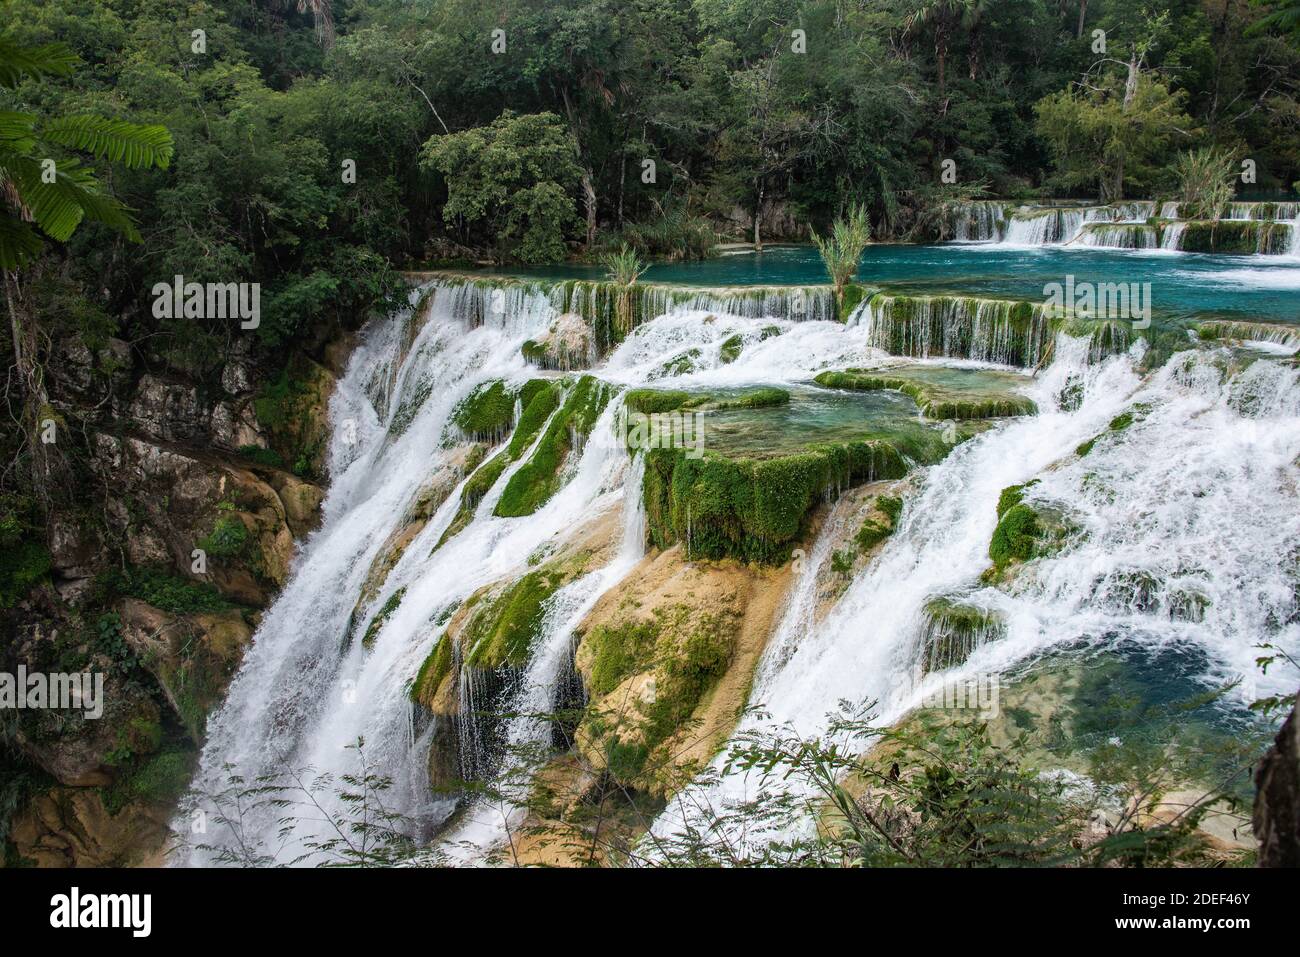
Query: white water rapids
(1200, 493)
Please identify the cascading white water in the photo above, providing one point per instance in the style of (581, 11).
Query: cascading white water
(305, 692)
(308, 688)
(1200, 494)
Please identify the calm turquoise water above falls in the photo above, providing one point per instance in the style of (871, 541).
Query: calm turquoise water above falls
(1182, 284)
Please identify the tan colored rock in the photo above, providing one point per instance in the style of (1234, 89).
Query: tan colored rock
(737, 604)
(193, 657)
(70, 827)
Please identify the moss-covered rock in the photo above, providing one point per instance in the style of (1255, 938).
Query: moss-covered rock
(293, 411)
(534, 482)
(755, 399)
(1241, 236)
(652, 401)
(953, 630)
(487, 413)
(936, 400)
(752, 509)
(381, 617)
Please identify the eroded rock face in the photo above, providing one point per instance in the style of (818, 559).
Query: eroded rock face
(169, 503)
(70, 827)
(78, 751)
(169, 410)
(193, 657)
(1276, 819)
(667, 658)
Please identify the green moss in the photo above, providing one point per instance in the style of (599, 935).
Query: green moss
(1015, 537)
(652, 401)
(682, 364)
(533, 484)
(731, 348)
(685, 650)
(1240, 236)
(1086, 447)
(935, 401)
(291, 411)
(260, 456)
(435, 668)
(620, 651)
(382, 616)
(752, 509)
(229, 538)
(756, 399)
(874, 531)
(852, 298)
(160, 779)
(1121, 422)
(1012, 495)
(166, 591)
(502, 631)
(953, 631)
(487, 413)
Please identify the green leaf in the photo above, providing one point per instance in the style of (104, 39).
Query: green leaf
(58, 207)
(52, 59)
(18, 242)
(132, 145)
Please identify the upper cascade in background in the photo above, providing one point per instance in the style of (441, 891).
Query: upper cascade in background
(1265, 228)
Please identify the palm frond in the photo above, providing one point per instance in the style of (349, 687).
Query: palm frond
(18, 131)
(18, 242)
(58, 207)
(131, 144)
(52, 59)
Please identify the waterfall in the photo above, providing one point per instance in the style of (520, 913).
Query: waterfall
(988, 330)
(1171, 236)
(1163, 500)
(1119, 235)
(1196, 497)
(977, 221)
(304, 691)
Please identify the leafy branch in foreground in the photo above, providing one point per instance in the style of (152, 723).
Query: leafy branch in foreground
(349, 824)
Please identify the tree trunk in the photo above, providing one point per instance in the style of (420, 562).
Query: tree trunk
(589, 200)
(758, 219)
(1083, 13)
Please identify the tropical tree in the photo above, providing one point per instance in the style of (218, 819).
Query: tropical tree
(624, 269)
(1206, 182)
(942, 17)
(842, 249)
(513, 180)
(44, 191)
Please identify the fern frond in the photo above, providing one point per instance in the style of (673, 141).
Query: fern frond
(52, 59)
(132, 145)
(58, 207)
(18, 242)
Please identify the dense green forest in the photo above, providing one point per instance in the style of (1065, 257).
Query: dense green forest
(319, 147)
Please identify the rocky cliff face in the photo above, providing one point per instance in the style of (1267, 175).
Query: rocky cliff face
(1277, 799)
(193, 486)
